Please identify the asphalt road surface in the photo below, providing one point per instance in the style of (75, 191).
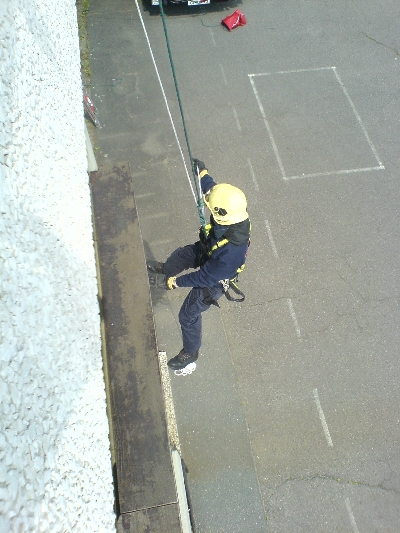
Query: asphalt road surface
(291, 421)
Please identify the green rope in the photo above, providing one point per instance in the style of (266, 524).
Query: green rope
(200, 203)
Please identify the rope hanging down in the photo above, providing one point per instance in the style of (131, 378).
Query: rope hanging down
(200, 203)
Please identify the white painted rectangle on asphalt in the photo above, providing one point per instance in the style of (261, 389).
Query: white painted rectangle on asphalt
(313, 125)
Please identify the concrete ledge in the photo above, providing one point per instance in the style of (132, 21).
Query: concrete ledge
(146, 491)
(159, 519)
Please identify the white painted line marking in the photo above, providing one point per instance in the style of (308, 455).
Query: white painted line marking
(333, 172)
(165, 100)
(289, 71)
(271, 240)
(212, 37)
(351, 516)
(253, 176)
(294, 318)
(268, 127)
(239, 127)
(353, 107)
(223, 74)
(322, 418)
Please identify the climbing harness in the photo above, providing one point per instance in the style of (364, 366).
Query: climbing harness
(227, 284)
(232, 284)
(189, 369)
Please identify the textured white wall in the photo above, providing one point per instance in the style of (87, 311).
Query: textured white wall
(55, 467)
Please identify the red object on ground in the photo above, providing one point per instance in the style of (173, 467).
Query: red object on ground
(233, 21)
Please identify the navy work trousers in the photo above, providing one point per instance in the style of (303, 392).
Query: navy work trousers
(197, 301)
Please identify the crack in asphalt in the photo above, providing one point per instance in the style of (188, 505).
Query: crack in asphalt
(381, 44)
(336, 480)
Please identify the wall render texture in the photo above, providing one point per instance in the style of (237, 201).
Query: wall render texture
(55, 466)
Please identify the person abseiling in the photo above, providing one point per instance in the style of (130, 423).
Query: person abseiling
(217, 256)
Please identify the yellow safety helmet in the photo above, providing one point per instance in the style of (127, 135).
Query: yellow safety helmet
(227, 204)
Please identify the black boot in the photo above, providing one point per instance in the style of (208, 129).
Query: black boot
(157, 278)
(183, 359)
(158, 281)
(155, 267)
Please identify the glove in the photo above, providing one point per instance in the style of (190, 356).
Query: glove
(171, 283)
(198, 164)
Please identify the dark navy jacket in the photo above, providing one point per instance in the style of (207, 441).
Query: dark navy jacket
(225, 261)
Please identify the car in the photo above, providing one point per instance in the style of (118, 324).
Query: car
(188, 2)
